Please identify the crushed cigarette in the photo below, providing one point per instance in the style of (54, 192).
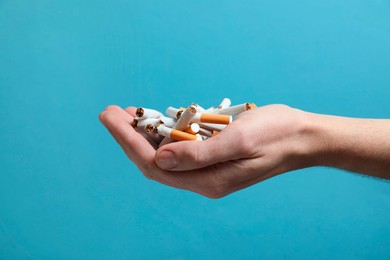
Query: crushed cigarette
(191, 123)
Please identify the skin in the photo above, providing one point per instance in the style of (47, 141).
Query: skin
(257, 145)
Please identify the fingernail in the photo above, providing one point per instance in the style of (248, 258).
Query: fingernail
(167, 160)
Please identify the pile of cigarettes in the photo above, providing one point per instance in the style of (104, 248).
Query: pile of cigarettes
(191, 123)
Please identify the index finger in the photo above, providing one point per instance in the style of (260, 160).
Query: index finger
(136, 147)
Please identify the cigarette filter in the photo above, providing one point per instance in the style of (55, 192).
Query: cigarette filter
(225, 103)
(176, 134)
(212, 118)
(235, 110)
(192, 128)
(215, 132)
(143, 113)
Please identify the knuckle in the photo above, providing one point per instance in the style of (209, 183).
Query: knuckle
(112, 108)
(220, 185)
(245, 146)
(200, 157)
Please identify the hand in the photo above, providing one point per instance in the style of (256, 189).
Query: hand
(257, 145)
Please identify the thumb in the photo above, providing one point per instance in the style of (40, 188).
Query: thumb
(189, 155)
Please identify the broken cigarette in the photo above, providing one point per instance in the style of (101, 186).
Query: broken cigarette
(185, 118)
(141, 123)
(176, 134)
(225, 103)
(235, 110)
(143, 113)
(204, 131)
(172, 111)
(149, 128)
(170, 122)
(212, 127)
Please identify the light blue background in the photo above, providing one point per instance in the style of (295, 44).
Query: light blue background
(68, 192)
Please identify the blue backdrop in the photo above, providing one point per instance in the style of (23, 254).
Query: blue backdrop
(67, 191)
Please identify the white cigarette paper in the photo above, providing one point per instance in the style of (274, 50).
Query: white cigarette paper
(235, 110)
(182, 123)
(172, 112)
(143, 113)
(170, 122)
(141, 123)
(204, 131)
(199, 108)
(185, 118)
(225, 103)
(211, 127)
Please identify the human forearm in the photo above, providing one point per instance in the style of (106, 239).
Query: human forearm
(357, 145)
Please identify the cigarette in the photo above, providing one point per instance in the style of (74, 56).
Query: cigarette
(134, 123)
(141, 123)
(204, 131)
(192, 128)
(203, 137)
(212, 110)
(176, 134)
(172, 112)
(198, 108)
(225, 103)
(149, 128)
(178, 114)
(212, 118)
(183, 121)
(211, 127)
(235, 110)
(170, 122)
(185, 118)
(253, 106)
(215, 132)
(143, 113)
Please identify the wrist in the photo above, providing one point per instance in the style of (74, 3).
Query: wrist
(330, 142)
(318, 145)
